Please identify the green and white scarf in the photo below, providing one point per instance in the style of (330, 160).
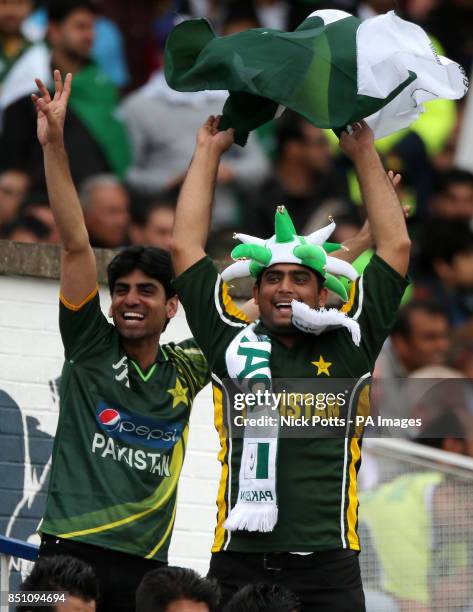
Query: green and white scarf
(248, 363)
(248, 357)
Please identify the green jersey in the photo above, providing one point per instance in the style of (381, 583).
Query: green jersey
(121, 437)
(8, 57)
(316, 478)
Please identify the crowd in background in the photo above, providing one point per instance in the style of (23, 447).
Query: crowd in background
(130, 139)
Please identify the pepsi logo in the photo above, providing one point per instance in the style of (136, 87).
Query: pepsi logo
(109, 417)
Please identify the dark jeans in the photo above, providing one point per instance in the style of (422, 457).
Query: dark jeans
(118, 574)
(325, 581)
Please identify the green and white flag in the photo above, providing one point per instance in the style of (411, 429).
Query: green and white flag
(334, 70)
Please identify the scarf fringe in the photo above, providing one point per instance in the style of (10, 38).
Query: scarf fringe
(252, 517)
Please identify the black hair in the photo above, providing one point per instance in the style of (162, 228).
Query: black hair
(288, 128)
(402, 325)
(452, 177)
(162, 586)
(263, 598)
(60, 573)
(59, 10)
(36, 198)
(444, 239)
(240, 11)
(142, 209)
(152, 261)
(29, 223)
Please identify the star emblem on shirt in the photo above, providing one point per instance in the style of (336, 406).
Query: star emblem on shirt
(322, 366)
(179, 394)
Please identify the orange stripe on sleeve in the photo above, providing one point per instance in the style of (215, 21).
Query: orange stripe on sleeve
(76, 307)
(230, 307)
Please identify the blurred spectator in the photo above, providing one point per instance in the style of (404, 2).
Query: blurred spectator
(153, 225)
(452, 23)
(446, 268)
(137, 21)
(95, 139)
(417, 530)
(13, 188)
(108, 50)
(163, 123)
(27, 228)
(13, 44)
(303, 179)
(273, 13)
(239, 17)
(347, 227)
(419, 337)
(176, 589)
(64, 575)
(263, 598)
(37, 206)
(371, 8)
(105, 203)
(461, 357)
(453, 197)
(419, 10)
(220, 245)
(433, 391)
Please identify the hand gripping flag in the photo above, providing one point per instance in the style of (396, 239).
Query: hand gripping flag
(334, 70)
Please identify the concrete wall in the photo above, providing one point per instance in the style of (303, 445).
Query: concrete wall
(30, 363)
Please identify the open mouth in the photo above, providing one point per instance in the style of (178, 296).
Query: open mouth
(284, 307)
(133, 316)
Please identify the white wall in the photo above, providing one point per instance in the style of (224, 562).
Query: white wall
(31, 357)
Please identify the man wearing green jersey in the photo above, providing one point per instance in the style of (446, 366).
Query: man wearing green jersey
(294, 521)
(125, 400)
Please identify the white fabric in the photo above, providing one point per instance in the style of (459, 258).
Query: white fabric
(387, 48)
(256, 508)
(19, 82)
(158, 88)
(317, 321)
(330, 15)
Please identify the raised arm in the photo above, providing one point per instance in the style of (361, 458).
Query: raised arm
(78, 266)
(385, 214)
(194, 206)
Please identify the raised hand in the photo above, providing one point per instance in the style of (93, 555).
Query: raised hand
(209, 135)
(52, 112)
(359, 140)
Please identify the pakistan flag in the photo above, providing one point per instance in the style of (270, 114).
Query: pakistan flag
(333, 69)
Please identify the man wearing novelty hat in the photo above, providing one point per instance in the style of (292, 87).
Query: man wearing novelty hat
(294, 521)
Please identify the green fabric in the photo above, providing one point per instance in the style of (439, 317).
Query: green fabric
(7, 60)
(94, 99)
(312, 71)
(121, 441)
(310, 472)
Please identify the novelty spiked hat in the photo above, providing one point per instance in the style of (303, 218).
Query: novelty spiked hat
(286, 246)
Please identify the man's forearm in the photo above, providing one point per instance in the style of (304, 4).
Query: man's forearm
(195, 199)
(382, 204)
(354, 247)
(385, 214)
(63, 199)
(194, 209)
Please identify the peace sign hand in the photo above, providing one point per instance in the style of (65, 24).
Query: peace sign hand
(52, 112)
